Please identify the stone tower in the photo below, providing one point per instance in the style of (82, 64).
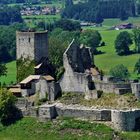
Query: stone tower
(32, 45)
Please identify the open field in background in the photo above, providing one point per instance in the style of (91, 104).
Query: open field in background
(109, 58)
(11, 75)
(112, 22)
(34, 19)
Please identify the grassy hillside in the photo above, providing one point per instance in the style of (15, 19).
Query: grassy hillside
(109, 58)
(62, 129)
(66, 129)
(11, 75)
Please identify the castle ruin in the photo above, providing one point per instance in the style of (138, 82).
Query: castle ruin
(80, 76)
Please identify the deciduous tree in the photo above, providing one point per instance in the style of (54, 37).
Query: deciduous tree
(120, 71)
(122, 43)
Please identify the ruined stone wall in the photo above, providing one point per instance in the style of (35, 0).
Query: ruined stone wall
(110, 87)
(122, 120)
(83, 112)
(45, 90)
(30, 91)
(136, 89)
(72, 81)
(42, 88)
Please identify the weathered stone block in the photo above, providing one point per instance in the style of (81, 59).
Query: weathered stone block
(47, 111)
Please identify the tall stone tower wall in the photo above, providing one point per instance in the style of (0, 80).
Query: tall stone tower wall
(32, 45)
(41, 45)
(25, 45)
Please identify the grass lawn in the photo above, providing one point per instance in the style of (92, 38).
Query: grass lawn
(60, 129)
(11, 75)
(109, 58)
(112, 22)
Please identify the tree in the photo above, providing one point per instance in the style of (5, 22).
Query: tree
(122, 43)
(58, 42)
(120, 71)
(3, 69)
(9, 15)
(136, 34)
(97, 10)
(8, 41)
(137, 67)
(68, 3)
(8, 110)
(68, 25)
(91, 39)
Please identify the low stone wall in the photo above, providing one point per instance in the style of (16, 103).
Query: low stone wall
(83, 112)
(122, 120)
(136, 89)
(111, 87)
(47, 111)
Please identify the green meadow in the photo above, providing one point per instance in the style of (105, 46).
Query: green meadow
(109, 58)
(35, 19)
(11, 73)
(62, 129)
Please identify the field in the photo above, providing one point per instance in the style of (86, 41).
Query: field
(112, 22)
(109, 58)
(34, 19)
(11, 75)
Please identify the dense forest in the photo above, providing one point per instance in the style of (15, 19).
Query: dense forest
(9, 15)
(97, 10)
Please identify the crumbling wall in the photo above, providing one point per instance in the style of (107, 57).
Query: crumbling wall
(74, 78)
(83, 112)
(111, 87)
(123, 120)
(136, 89)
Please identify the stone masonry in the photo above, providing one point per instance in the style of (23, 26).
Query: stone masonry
(32, 45)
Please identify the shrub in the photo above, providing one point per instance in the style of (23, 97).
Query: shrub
(8, 111)
(120, 71)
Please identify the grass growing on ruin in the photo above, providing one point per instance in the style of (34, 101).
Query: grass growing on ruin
(60, 129)
(11, 73)
(108, 100)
